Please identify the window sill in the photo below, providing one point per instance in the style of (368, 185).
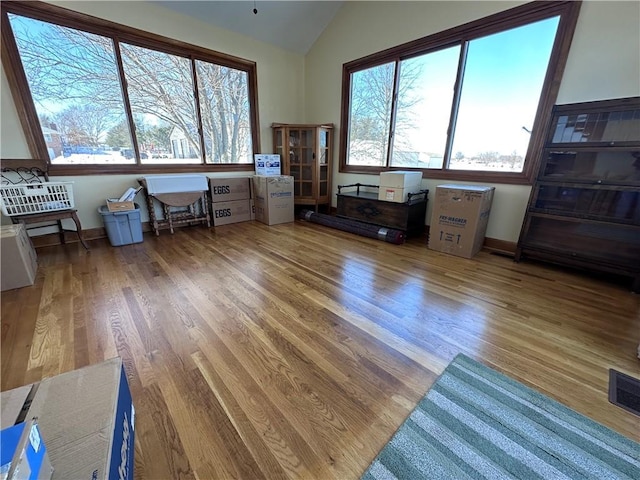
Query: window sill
(450, 175)
(69, 170)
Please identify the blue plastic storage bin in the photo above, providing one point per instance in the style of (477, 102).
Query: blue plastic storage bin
(123, 228)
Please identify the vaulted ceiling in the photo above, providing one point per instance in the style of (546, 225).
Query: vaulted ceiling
(292, 25)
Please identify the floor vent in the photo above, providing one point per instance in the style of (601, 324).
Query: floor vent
(624, 391)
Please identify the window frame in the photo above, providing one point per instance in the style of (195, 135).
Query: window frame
(25, 106)
(568, 12)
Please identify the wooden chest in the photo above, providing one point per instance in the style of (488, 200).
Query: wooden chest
(364, 206)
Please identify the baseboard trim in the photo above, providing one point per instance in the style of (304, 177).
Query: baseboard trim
(503, 247)
(53, 239)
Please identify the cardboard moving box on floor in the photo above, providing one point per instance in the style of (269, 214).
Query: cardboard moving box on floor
(86, 419)
(19, 260)
(237, 211)
(230, 189)
(459, 219)
(273, 198)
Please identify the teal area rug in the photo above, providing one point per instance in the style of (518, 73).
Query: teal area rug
(477, 423)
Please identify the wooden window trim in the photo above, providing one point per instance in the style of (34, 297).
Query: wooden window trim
(68, 18)
(507, 19)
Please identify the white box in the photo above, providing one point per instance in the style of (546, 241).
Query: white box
(273, 197)
(235, 211)
(395, 186)
(267, 164)
(19, 260)
(401, 179)
(393, 194)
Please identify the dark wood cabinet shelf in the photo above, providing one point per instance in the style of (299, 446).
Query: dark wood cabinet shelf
(584, 208)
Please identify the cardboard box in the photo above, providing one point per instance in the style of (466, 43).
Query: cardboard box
(273, 198)
(24, 454)
(253, 209)
(397, 195)
(229, 189)
(267, 164)
(401, 179)
(395, 186)
(116, 206)
(18, 257)
(86, 418)
(459, 219)
(231, 212)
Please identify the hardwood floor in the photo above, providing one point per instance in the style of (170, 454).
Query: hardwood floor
(296, 351)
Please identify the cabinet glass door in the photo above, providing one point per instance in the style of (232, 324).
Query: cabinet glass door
(611, 204)
(592, 166)
(278, 146)
(597, 127)
(605, 242)
(301, 161)
(306, 185)
(324, 146)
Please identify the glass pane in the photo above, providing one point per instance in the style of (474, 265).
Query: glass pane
(323, 189)
(608, 242)
(618, 126)
(502, 82)
(307, 189)
(307, 155)
(224, 106)
(370, 115)
(424, 106)
(324, 139)
(160, 90)
(294, 156)
(306, 138)
(294, 138)
(75, 86)
(606, 166)
(307, 173)
(622, 205)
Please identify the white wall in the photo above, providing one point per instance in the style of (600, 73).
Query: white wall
(280, 90)
(604, 62)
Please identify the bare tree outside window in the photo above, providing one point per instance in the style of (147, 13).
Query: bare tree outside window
(500, 92)
(160, 88)
(76, 87)
(224, 106)
(468, 101)
(425, 93)
(371, 103)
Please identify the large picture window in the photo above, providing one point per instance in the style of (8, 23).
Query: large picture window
(103, 97)
(465, 103)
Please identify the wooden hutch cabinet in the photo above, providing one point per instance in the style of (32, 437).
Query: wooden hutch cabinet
(306, 152)
(584, 208)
